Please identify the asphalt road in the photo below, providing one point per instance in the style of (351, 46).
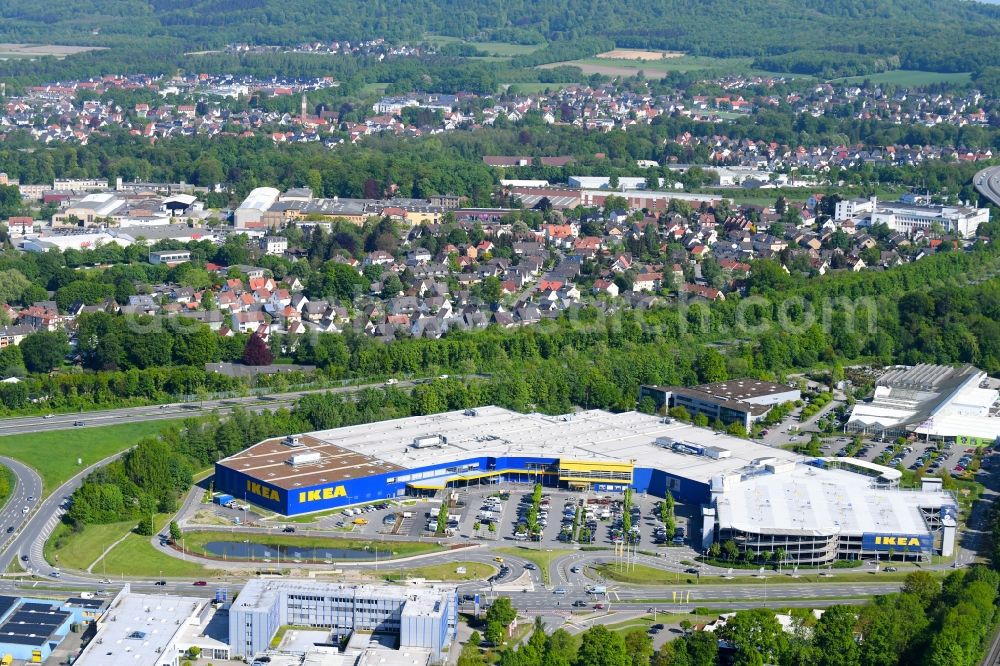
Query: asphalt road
(987, 183)
(30, 424)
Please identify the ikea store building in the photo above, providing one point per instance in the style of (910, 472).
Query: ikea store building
(764, 498)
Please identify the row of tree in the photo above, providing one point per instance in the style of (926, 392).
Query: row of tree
(926, 624)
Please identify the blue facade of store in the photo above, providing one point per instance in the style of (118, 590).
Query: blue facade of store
(523, 469)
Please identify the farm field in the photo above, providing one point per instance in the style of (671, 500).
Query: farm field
(630, 67)
(909, 78)
(637, 54)
(8, 50)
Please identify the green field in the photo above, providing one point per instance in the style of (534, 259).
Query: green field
(8, 475)
(137, 557)
(646, 621)
(133, 557)
(541, 558)
(910, 78)
(195, 542)
(506, 49)
(78, 550)
(473, 571)
(373, 89)
(499, 49)
(654, 68)
(54, 454)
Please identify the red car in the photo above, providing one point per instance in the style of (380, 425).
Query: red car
(598, 606)
(200, 583)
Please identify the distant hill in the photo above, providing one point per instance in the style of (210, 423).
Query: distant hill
(939, 35)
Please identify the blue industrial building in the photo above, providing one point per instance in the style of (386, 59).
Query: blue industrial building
(358, 464)
(606, 453)
(31, 629)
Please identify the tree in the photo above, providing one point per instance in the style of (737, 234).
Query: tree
(44, 350)
(442, 519)
(701, 648)
(175, 531)
(602, 647)
(492, 289)
(639, 647)
(922, 586)
(13, 286)
(500, 614)
(145, 527)
(711, 366)
(756, 634)
(257, 352)
(833, 641)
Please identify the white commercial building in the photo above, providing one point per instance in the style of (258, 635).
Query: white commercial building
(408, 617)
(833, 509)
(251, 211)
(155, 630)
(848, 209)
(936, 401)
(910, 218)
(74, 241)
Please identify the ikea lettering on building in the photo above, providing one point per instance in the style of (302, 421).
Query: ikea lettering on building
(820, 508)
(899, 542)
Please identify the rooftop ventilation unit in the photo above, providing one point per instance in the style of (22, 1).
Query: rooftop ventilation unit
(429, 441)
(304, 458)
(292, 441)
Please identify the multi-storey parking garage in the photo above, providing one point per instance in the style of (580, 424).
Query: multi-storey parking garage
(813, 509)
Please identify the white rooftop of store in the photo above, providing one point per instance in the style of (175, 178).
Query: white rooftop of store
(824, 502)
(590, 435)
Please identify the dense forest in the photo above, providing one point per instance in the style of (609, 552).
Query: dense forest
(937, 35)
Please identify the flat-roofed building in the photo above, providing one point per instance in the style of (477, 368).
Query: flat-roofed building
(742, 401)
(155, 630)
(412, 616)
(936, 401)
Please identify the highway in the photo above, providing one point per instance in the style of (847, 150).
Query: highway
(987, 183)
(30, 424)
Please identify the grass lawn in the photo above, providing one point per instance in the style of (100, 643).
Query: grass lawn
(646, 621)
(135, 556)
(506, 49)
(541, 558)
(373, 89)
(645, 575)
(910, 78)
(473, 571)
(654, 68)
(11, 480)
(195, 543)
(53, 454)
(78, 550)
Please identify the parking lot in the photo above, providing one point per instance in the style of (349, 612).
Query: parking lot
(594, 515)
(930, 457)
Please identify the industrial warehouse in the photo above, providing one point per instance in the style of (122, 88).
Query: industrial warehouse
(933, 402)
(764, 498)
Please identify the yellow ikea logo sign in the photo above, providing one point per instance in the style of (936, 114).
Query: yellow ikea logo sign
(896, 541)
(330, 492)
(261, 490)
